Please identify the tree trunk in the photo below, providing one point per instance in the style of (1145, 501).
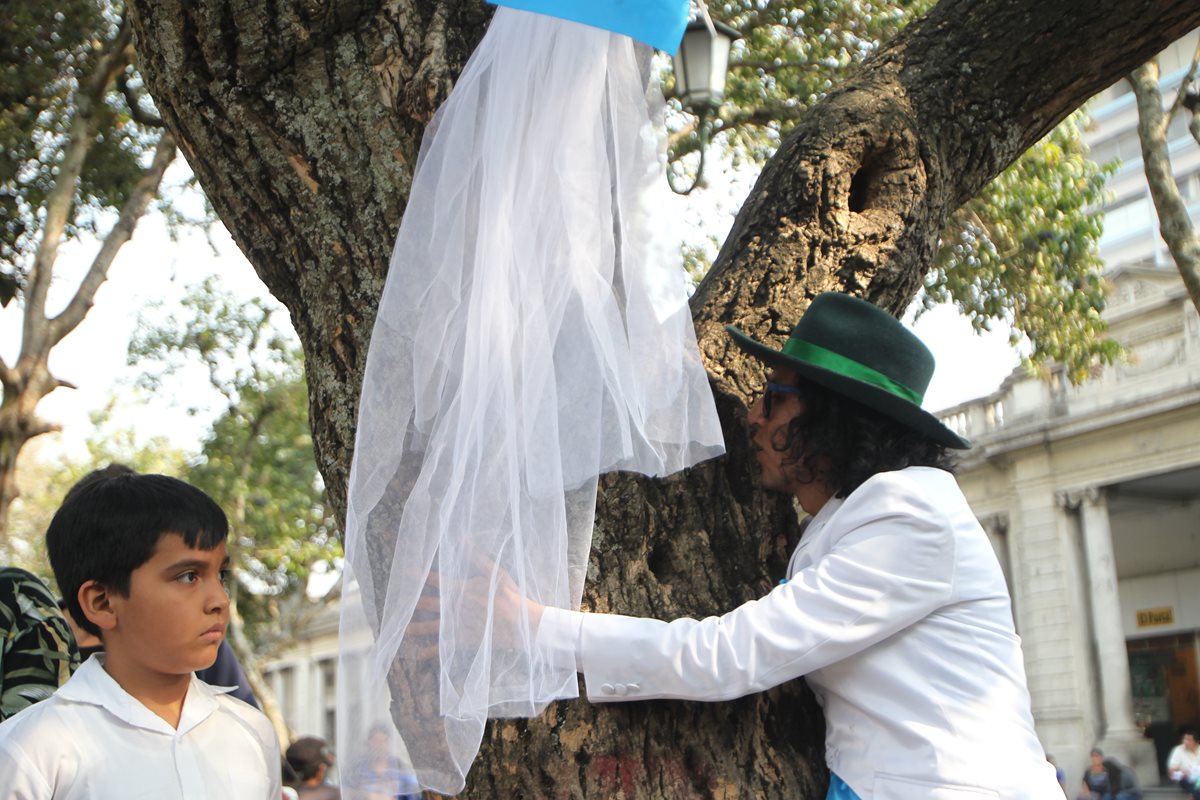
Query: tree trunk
(24, 385)
(252, 667)
(303, 130)
(1174, 218)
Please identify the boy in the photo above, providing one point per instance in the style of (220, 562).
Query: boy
(141, 563)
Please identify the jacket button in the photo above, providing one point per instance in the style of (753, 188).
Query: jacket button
(621, 689)
(633, 687)
(608, 689)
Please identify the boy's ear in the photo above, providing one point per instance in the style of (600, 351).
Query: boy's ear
(96, 602)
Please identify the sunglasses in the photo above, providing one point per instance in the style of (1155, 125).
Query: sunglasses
(774, 389)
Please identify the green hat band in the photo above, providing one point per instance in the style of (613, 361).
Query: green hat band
(820, 357)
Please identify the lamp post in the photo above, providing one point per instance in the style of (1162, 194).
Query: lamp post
(700, 67)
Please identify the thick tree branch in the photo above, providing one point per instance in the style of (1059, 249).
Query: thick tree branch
(111, 60)
(135, 208)
(1174, 221)
(37, 426)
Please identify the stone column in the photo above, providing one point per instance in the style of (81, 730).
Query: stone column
(1122, 739)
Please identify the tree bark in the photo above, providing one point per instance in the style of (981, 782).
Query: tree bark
(303, 127)
(1174, 220)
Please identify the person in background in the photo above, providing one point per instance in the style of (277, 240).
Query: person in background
(1095, 777)
(141, 563)
(37, 650)
(1183, 765)
(380, 776)
(310, 759)
(1108, 779)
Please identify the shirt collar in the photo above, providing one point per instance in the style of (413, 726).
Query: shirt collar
(93, 685)
(822, 516)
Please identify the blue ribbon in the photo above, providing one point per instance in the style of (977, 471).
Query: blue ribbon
(658, 23)
(839, 790)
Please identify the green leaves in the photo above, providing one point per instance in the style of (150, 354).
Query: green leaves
(46, 50)
(1025, 251)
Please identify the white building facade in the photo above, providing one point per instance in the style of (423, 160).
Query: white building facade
(1091, 493)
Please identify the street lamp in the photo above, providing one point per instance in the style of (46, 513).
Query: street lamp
(700, 69)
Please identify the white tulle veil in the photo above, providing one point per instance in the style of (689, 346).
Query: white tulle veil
(533, 334)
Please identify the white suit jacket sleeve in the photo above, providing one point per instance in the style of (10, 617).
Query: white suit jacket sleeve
(891, 563)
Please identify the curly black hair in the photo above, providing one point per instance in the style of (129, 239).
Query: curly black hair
(842, 443)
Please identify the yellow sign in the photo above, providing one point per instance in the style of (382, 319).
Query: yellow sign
(1153, 617)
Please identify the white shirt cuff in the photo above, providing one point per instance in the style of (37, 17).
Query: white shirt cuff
(559, 636)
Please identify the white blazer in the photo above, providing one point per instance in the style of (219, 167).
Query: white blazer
(897, 613)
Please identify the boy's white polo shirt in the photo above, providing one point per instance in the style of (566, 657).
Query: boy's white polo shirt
(92, 739)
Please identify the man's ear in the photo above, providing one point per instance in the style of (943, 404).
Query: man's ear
(96, 601)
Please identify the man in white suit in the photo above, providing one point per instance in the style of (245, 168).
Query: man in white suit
(895, 608)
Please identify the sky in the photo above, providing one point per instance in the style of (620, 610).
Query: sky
(152, 268)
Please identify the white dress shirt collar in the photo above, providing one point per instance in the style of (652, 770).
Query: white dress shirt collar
(93, 685)
(809, 533)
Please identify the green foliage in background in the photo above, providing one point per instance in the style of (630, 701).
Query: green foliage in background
(44, 49)
(1023, 252)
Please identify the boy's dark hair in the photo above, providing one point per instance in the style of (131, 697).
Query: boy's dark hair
(842, 443)
(111, 521)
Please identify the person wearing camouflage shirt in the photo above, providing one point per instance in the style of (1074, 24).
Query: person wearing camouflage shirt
(37, 650)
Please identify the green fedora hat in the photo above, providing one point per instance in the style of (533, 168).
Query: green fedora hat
(860, 351)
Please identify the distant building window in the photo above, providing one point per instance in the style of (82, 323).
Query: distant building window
(1135, 215)
(1124, 148)
(328, 672)
(286, 691)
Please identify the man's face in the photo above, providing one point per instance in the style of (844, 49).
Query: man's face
(175, 616)
(1189, 742)
(769, 433)
(769, 437)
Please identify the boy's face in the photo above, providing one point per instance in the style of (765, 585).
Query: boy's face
(175, 615)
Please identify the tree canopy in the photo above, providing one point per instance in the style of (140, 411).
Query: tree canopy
(81, 152)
